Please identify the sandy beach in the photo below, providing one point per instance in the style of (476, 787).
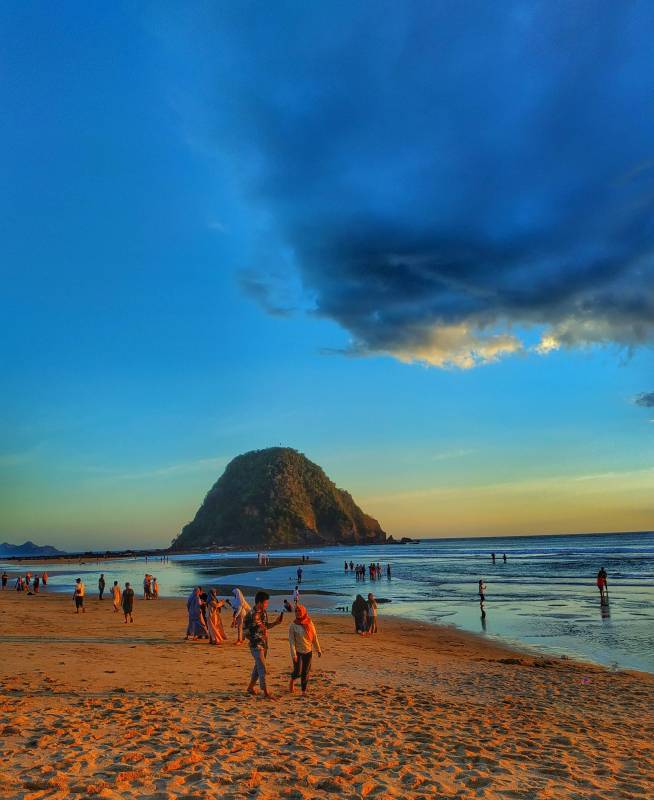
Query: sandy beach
(94, 707)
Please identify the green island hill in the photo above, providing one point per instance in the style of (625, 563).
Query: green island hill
(277, 498)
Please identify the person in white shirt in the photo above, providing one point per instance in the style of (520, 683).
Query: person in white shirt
(78, 596)
(303, 640)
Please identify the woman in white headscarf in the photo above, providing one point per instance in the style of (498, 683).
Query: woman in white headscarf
(241, 608)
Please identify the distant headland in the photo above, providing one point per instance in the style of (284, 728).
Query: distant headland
(27, 549)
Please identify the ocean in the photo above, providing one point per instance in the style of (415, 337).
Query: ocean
(543, 598)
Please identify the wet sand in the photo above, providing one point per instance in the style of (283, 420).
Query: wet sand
(93, 707)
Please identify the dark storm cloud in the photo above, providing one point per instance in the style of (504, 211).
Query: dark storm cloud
(449, 175)
(645, 399)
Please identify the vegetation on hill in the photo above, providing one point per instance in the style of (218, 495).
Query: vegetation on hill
(277, 498)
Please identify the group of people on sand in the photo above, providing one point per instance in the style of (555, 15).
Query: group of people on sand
(150, 587)
(27, 583)
(365, 615)
(374, 570)
(252, 626)
(123, 600)
(204, 620)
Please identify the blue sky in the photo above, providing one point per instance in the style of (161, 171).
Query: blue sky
(413, 242)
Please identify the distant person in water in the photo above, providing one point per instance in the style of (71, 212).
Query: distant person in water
(240, 608)
(372, 613)
(360, 614)
(256, 626)
(128, 602)
(101, 585)
(482, 598)
(5, 578)
(504, 557)
(115, 596)
(602, 586)
(299, 574)
(493, 557)
(44, 579)
(346, 566)
(388, 571)
(351, 566)
(303, 640)
(78, 596)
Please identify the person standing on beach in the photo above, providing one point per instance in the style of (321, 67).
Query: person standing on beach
(303, 639)
(214, 623)
(256, 626)
(101, 585)
(78, 596)
(372, 613)
(296, 595)
(360, 614)
(128, 602)
(44, 579)
(482, 597)
(155, 588)
(196, 625)
(299, 574)
(241, 608)
(36, 584)
(115, 593)
(5, 578)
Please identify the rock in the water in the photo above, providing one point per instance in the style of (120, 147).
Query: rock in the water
(277, 498)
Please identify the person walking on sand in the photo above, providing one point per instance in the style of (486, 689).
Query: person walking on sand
(128, 602)
(101, 585)
(5, 578)
(241, 608)
(78, 596)
(303, 640)
(372, 613)
(115, 595)
(256, 626)
(214, 623)
(360, 614)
